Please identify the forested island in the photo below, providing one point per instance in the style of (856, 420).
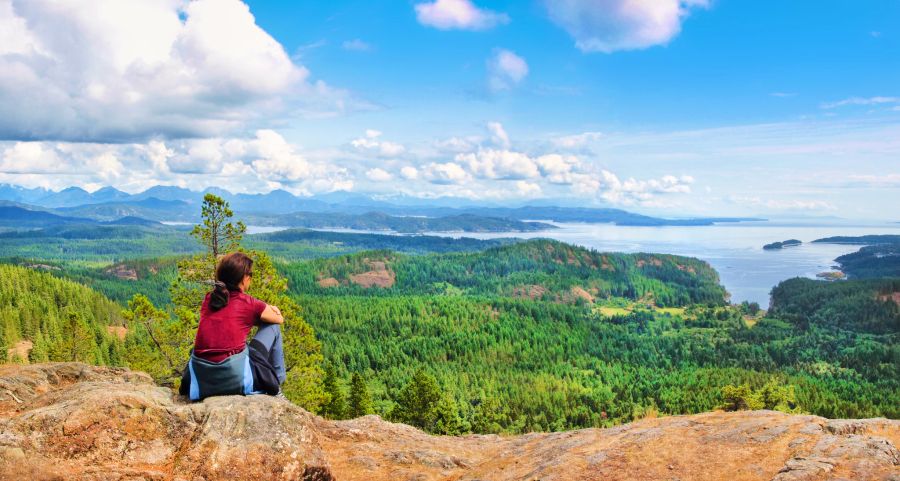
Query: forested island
(458, 335)
(782, 244)
(879, 256)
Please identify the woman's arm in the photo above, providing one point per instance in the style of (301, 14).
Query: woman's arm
(271, 315)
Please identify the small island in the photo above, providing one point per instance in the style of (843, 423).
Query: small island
(782, 244)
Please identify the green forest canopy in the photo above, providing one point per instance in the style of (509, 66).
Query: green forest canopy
(537, 335)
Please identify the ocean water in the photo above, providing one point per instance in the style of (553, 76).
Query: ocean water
(735, 250)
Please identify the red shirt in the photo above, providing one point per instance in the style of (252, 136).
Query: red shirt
(224, 332)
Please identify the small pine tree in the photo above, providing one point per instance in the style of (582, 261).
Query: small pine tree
(417, 403)
(40, 350)
(779, 397)
(336, 406)
(738, 398)
(218, 233)
(489, 416)
(447, 419)
(146, 321)
(360, 402)
(78, 342)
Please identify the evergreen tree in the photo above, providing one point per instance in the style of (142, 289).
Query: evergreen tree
(153, 341)
(336, 406)
(77, 345)
(741, 397)
(360, 401)
(778, 396)
(447, 419)
(489, 416)
(40, 350)
(218, 233)
(417, 402)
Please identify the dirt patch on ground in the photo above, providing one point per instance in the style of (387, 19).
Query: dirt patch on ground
(328, 282)
(686, 268)
(605, 265)
(579, 292)
(123, 271)
(894, 296)
(43, 267)
(652, 260)
(119, 331)
(19, 350)
(374, 279)
(530, 291)
(379, 276)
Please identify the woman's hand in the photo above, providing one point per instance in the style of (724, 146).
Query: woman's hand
(272, 315)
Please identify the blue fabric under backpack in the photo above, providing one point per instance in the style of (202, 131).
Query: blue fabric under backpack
(247, 372)
(231, 376)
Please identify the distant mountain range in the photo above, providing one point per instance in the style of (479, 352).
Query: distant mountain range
(332, 210)
(18, 217)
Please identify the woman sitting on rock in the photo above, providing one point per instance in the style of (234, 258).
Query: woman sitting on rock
(222, 362)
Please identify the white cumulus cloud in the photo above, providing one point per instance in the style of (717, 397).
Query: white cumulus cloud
(445, 173)
(370, 144)
(527, 189)
(499, 164)
(505, 70)
(611, 25)
(378, 174)
(31, 158)
(109, 70)
(409, 172)
(263, 162)
(458, 15)
(633, 191)
(561, 169)
(498, 134)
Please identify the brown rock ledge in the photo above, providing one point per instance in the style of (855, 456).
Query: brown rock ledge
(70, 421)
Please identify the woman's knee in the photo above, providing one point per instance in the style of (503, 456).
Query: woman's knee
(268, 334)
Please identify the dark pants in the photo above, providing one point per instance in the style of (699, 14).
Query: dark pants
(270, 337)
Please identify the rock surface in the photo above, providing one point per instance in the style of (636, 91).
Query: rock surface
(70, 421)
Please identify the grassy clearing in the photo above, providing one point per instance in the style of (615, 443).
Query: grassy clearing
(673, 311)
(608, 311)
(623, 310)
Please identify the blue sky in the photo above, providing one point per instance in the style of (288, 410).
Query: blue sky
(720, 70)
(669, 107)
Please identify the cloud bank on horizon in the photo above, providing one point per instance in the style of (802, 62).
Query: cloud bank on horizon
(503, 104)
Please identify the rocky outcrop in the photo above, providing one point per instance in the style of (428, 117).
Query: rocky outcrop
(75, 422)
(123, 272)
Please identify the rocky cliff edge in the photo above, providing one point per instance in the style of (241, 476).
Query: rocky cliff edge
(70, 421)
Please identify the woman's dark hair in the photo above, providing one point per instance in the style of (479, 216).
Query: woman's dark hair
(229, 273)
